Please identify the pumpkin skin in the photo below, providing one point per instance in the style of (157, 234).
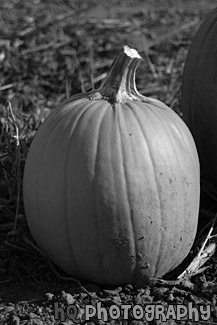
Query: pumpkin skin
(111, 183)
(199, 94)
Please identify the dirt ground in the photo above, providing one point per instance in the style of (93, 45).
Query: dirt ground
(50, 50)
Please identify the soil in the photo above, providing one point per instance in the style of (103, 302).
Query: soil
(50, 50)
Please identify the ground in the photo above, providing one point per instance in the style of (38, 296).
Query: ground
(50, 50)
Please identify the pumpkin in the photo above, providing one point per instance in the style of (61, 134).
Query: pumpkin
(199, 94)
(111, 183)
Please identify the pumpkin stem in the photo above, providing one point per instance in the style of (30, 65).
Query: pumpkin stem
(120, 84)
(131, 82)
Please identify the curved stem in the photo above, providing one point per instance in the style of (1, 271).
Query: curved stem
(119, 84)
(131, 81)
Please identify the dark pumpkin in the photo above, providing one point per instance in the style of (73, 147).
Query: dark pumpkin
(199, 94)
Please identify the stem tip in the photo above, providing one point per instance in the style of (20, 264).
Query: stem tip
(132, 53)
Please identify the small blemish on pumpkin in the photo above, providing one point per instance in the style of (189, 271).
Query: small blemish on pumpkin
(139, 256)
(142, 237)
(120, 241)
(146, 266)
(181, 239)
(130, 134)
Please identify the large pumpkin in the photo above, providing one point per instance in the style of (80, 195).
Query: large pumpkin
(199, 94)
(111, 183)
